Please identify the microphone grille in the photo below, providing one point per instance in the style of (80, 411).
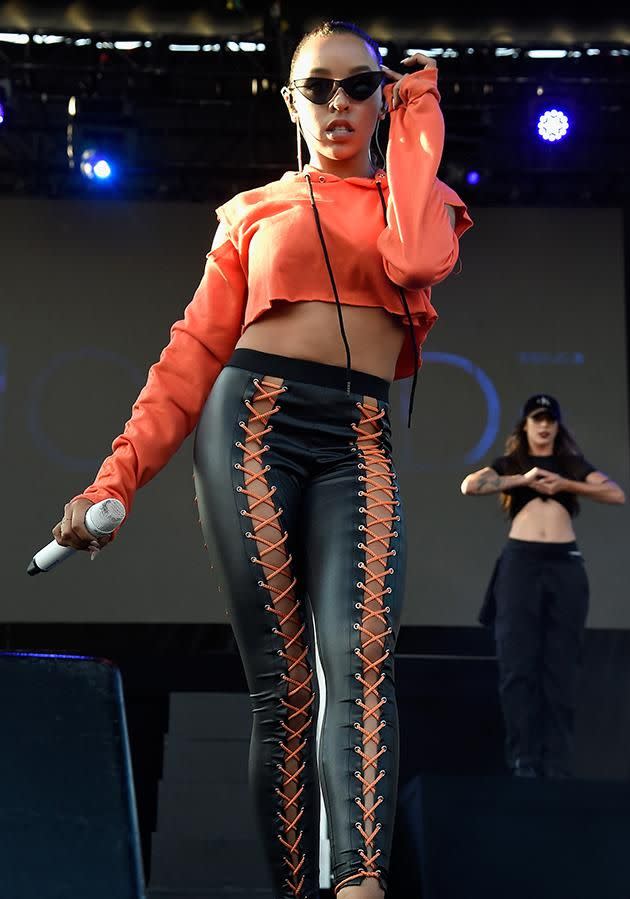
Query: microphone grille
(104, 517)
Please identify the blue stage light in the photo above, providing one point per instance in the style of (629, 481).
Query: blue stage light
(95, 166)
(473, 177)
(102, 169)
(1, 113)
(553, 125)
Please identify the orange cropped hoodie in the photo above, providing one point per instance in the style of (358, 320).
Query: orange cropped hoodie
(273, 252)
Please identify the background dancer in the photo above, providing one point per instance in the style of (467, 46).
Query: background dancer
(537, 599)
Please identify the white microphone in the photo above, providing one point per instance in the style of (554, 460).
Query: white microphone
(100, 519)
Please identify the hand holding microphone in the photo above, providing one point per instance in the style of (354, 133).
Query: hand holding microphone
(85, 525)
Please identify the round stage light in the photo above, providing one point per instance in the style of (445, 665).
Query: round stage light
(473, 177)
(95, 166)
(553, 125)
(1, 113)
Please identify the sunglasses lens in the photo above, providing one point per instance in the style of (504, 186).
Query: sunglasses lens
(362, 86)
(317, 90)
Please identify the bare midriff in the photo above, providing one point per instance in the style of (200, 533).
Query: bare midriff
(545, 521)
(310, 330)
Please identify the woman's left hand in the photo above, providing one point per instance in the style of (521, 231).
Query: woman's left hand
(549, 484)
(416, 59)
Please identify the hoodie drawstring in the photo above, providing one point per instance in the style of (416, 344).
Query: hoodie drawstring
(338, 302)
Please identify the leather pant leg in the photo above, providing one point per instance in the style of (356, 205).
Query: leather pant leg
(248, 512)
(354, 569)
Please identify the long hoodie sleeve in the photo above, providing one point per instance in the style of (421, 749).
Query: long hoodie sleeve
(419, 245)
(169, 405)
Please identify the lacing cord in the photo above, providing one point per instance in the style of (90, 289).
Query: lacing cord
(289, 627)
(332, 282)
(412, 333)
(379, 494)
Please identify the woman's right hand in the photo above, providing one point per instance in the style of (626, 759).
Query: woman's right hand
(71, 530)
(532, 475)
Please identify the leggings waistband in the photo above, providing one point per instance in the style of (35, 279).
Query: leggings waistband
(308, 372)
(541, 549)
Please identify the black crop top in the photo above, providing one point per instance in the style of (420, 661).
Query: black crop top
(574, 467)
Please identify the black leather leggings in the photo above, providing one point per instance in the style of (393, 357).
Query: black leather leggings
(296, 489)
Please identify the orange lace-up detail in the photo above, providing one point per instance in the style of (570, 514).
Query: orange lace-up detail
(379, 504)
(277, 577)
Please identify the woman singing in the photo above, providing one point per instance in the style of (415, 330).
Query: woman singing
(538, 594)
(315, 296)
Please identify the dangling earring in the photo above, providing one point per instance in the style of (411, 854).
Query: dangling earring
(298, 135)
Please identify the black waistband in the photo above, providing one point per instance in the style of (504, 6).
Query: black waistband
(542, 549)
(308, 372)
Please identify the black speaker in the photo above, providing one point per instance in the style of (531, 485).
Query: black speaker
(500, 837)
(68, 825)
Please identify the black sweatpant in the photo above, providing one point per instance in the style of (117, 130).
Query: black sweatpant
(541, 595)
(296, 487)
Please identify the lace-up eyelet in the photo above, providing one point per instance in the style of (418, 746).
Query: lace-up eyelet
(249, 535)
(239, 489)
(356, 726)
(253, 559)
(357, 652)
(356, 626)
(243, 512)
(237, 466)
(261, 584)
(357, 605)
(255, 381)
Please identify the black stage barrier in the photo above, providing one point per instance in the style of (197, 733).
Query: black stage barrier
(68, 827)
(505, 838)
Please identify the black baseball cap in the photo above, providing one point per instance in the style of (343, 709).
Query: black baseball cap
(542, 402)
